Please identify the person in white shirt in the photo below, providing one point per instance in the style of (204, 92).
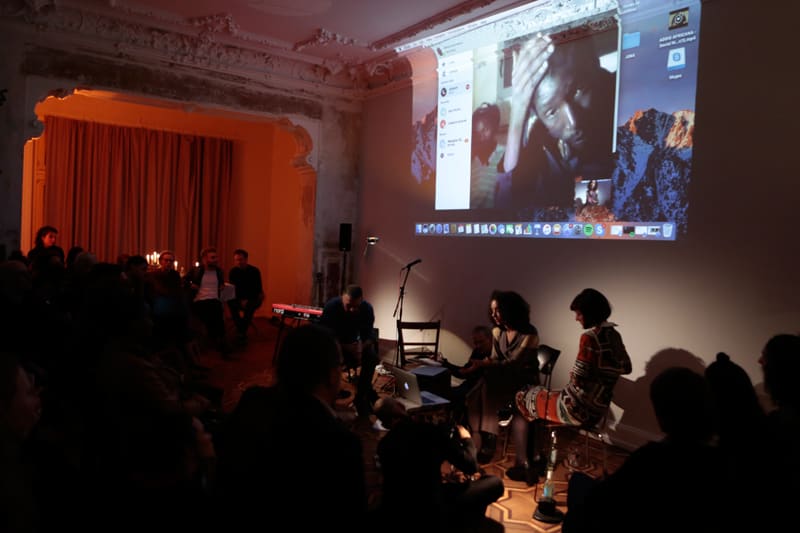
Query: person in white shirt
(205, 283)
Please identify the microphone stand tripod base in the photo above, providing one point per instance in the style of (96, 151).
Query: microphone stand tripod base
(547, 512)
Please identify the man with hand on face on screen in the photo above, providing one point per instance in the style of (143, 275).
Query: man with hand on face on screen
(560, 125)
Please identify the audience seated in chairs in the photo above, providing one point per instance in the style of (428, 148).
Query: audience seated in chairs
(79, 431)
(286, 440)
(249, 292)
(134, 379)
(146, 426)
(414, 494)
(162, 479)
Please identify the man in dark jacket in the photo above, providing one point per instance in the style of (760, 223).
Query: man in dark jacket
(249, 292)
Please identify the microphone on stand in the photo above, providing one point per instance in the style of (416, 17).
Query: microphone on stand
(412, 263)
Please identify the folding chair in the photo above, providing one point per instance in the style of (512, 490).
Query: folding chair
(417, 339)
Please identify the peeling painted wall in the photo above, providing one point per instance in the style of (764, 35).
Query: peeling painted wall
(12, 120)
(337, 194)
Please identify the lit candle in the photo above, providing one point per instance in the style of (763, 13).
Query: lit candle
(176, 265)
(197, 264)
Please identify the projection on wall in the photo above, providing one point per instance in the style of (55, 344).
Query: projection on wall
(560, 120)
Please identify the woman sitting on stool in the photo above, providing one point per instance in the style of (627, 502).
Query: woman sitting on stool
(601, 360)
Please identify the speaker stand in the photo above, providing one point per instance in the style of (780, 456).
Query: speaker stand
(344, 271)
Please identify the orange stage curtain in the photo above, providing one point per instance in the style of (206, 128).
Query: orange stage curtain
(113, 190)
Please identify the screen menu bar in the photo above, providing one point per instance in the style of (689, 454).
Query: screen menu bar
(661, 231)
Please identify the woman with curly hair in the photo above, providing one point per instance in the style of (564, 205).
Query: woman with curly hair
(513, 364)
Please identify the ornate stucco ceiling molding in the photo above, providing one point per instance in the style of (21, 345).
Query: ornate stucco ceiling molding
(386, 72)
(179, 84)
(206, 43)
(221, 23)
(323, 37)
(435, 21)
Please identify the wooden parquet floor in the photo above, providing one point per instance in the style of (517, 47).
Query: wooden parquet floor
(251, 364)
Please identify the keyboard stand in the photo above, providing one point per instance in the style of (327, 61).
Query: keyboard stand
(281, 327)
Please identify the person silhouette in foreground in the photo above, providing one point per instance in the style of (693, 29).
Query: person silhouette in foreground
(780, 362)
(284, 442)
(736, 406)
(674, 484)
(20, 411)
(412, 457)
(741, 430)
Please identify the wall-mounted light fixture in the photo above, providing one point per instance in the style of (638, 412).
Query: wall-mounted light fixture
(371, 241)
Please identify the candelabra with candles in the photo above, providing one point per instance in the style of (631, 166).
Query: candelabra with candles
(153, 262)
(152, 259)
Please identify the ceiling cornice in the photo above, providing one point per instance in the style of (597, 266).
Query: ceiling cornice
(405, 35)
(215, 46)
(207, 43)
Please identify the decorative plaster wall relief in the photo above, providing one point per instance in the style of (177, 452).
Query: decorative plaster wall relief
(215, 43)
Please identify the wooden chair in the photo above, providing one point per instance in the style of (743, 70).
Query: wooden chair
(417, 339)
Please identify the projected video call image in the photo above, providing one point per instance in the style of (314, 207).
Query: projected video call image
(589, 122)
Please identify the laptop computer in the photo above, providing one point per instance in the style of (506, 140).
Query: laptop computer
(408, 393)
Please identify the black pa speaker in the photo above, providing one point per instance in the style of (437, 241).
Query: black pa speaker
(345, 236)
